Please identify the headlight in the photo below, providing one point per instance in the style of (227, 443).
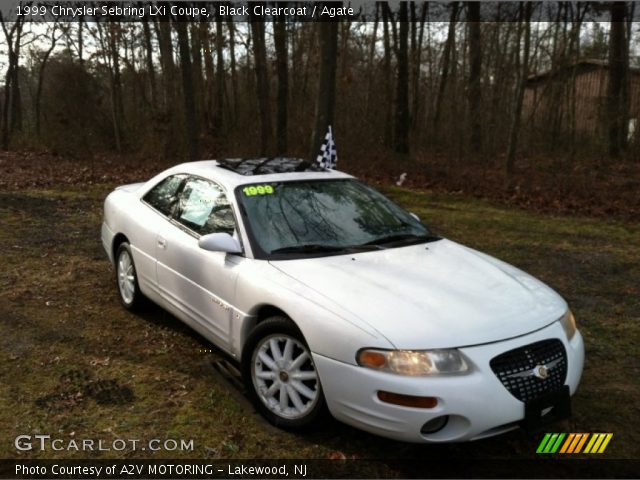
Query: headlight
(568, 322)
(413, 362)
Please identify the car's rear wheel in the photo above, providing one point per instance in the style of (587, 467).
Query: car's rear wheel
(127, 279)
(280, 375)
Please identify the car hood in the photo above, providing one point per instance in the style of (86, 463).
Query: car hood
(434, 295)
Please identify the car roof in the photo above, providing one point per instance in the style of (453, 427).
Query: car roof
(229, 178)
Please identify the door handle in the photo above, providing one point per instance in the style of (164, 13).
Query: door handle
(162, 243)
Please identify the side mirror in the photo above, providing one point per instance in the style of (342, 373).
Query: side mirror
(219, 242)
(415, 216)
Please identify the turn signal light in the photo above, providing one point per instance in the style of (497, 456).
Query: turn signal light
(372, 359)
(407, 400)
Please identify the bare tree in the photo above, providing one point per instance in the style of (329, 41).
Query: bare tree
(191, 117)
(260, 56)
(209, 81)
(417, 37)
(43, 63)
(163, 31)
(618, 66)
(231, 28)
(325, 102)
(371, 57)
(475, 76)
(12, 105)
(386, 73)
(218, 112)
(196, 67)
(108, 39)
(282, 67)
(401, 138)
(151, 71)
(449, 47)
(523, 74)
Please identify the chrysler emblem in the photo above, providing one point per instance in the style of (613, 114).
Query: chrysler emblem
(541, 371)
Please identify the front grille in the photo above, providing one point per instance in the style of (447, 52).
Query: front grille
(515, 369)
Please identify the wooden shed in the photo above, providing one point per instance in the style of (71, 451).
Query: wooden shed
(549, 101)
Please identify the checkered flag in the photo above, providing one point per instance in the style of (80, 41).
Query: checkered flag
(328, 156)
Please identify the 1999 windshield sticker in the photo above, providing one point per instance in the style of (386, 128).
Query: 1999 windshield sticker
(257, 190)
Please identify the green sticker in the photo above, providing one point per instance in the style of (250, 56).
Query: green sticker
(258, 190)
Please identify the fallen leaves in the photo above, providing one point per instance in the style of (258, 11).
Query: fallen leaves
(103, 362)
(584, 188)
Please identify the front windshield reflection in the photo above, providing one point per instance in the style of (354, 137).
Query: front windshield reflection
(331, 213)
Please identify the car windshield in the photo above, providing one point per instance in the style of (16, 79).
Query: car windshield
(324, 217)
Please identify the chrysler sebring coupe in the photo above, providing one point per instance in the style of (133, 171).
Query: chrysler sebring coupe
(332, 298)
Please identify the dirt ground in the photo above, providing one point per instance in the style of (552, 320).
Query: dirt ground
(75, 364)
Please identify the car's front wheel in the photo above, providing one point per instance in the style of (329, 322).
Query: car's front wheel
(127, 279)
(280, 375)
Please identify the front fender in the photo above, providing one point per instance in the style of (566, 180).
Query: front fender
(327, 328)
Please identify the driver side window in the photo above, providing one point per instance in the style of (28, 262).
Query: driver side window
(203, 208)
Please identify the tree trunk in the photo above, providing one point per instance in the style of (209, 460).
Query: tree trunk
(5, 111)
(618, 65)
(218, 108)
(264, 103)
(449, 46)
(327, 85)
(16, 95)
(232, 63)
(116, 84)
(209, 81)
(522, 81)
(198, 80)
(282, 62)
(416, 61)
(475, 76)
(41, 69)
(401, 139)
(151, 72)
(9, 79)
(386, 74)
(626, 86)
(167, 63)
(370, 63)
(191, 118)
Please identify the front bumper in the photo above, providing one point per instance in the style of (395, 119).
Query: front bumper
(477, 403)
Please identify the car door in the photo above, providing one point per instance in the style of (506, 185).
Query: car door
(199, 283)
(155, 211)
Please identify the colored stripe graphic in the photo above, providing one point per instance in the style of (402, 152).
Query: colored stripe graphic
(581, 443)
(556, 445)
(592, 440)
(543, 443)
(606, 442)
(567, 443)
(550, 443)
(573, 443)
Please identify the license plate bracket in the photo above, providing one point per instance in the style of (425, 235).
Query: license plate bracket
(550, 408)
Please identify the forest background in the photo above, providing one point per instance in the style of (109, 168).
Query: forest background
(435, 90)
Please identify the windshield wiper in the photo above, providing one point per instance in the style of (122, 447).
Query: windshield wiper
(308, 248)
(401, 237)
(372, 245)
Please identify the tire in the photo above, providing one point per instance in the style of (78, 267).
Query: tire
(284, 384)
(127, 279)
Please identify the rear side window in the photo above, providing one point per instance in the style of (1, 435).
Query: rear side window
(164, 196)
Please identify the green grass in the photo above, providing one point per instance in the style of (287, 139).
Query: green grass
(75, 364)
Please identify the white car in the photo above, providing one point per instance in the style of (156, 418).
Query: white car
(333, 297)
